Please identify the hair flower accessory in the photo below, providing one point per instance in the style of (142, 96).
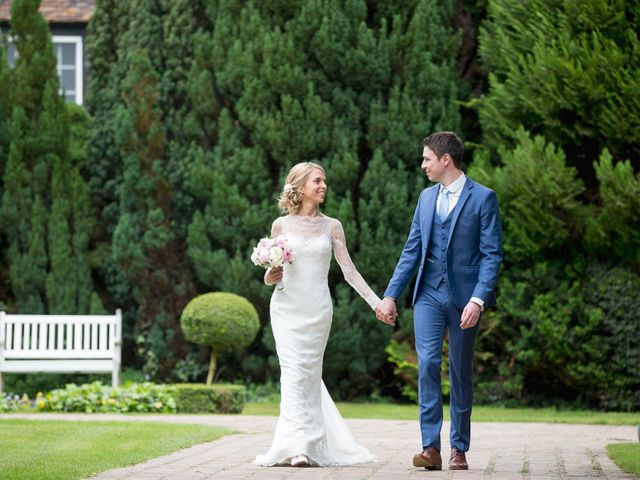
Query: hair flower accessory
(288, 188)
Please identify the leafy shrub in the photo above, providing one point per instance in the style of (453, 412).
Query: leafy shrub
(613, 233)
(567, 334)
(405, 359)
(538, 196)
(616, 293)
(13, 402)
(565, 69)
(31, 383)
(95, 397)
(263, 393)
(197, 398)
(222, 321)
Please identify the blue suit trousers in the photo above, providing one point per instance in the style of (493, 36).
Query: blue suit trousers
(435, 311)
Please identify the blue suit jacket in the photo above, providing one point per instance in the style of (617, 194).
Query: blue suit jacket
(474, 251)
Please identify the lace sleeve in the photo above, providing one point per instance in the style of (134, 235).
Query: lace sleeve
(351, 275)
(276, 229)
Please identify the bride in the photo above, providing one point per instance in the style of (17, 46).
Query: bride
(310, 430)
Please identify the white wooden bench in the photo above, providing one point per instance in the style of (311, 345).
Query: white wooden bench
(61, 344)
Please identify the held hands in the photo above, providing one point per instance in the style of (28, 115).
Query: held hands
(273, 275)
(470, 315)
(387, 311)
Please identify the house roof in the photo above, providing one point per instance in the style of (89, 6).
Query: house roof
(57, 11)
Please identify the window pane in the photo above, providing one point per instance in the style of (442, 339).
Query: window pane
(70, 97)
(68, 80)
(68, 54)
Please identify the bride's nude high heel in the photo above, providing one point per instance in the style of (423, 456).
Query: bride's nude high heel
(300, 461)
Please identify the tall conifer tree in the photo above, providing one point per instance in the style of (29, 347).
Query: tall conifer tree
(44, 205)
(343, 83)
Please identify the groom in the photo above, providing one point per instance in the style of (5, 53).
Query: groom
(455, 243)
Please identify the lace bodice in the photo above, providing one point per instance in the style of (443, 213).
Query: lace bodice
(317, 237)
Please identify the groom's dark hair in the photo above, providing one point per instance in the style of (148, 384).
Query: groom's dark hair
(446, 142)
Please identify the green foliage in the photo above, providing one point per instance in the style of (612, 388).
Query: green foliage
(405, 359)
(263, 393)
(614, 292)
(236, 93)
(403, 355)
(5, 120)
(31, 383)
(38, 133)
(571, 340)
(567, 70)
(104, 168)
(353, 85)
(195, 398)
(139, 172)
(5, 107)
(560, 331)
(131, 397)
(16, 403)
(95, 397)
(613, 233)
(45, 212)
(539, 199)
(220, 320)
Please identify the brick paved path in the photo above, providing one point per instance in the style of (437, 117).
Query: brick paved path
(500, 451)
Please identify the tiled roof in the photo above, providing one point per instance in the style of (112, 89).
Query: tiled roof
(57, 11)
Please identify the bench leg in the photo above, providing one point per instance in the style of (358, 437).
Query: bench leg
(115, 378)
(1, 383)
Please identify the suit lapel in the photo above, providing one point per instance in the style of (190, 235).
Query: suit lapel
(464, 196)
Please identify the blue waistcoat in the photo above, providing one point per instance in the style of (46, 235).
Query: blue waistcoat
(436, 266)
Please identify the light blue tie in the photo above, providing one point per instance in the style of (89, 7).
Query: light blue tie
(443, 209)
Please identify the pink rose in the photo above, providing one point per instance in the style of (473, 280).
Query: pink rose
(264, 254)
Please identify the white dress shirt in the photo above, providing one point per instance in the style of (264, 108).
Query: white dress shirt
(455, 189)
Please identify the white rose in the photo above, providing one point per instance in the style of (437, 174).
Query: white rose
(275, 257)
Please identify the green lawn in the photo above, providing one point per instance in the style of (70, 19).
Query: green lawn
(626, 456)
(480, 413)
(65, 450)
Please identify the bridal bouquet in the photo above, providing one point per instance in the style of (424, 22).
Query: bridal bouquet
(272, 252)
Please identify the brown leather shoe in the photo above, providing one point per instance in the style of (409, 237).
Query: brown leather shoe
(429, 458)
(458, 460)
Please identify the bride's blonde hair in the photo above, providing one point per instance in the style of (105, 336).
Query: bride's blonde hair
(291, 197)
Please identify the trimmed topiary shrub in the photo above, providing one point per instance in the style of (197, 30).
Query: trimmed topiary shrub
(222, 321)
(198, 398)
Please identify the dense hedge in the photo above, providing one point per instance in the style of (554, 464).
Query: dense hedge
(218, 398)
(135, 397)
(96, 397)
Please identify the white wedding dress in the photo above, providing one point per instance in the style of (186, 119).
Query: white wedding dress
(301, 315)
